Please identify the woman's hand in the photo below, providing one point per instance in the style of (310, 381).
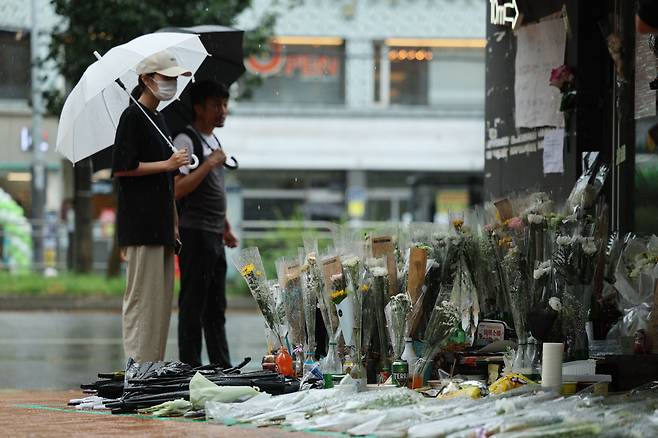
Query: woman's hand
(178, 159)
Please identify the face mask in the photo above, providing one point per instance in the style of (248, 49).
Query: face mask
(166, 89)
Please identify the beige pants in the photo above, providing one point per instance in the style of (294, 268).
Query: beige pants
(147, 301)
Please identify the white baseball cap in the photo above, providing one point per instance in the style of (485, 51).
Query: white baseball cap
(164, 63)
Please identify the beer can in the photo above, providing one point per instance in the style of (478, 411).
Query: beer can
(400, 372)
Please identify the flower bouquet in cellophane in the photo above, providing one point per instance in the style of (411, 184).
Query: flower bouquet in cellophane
(250, 265)
(289, 275)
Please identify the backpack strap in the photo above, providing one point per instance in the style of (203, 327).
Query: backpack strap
(197, 147)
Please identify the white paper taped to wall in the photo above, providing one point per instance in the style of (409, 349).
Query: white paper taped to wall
(554, 151)
(540, 48)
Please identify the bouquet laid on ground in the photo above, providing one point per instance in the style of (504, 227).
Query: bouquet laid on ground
(321, 287)
(342, 297)
(635, 279)
(248, 262)
(289, 275)
(397, 311)
(311, 286)
(350, 309)
(522, 259)
(378, 298)
(464, 291)
(352, 273)
(523, 412)
(442, 324)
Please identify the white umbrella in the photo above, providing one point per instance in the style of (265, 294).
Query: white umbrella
(91, 112)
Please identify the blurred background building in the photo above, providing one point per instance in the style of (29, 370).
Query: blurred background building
(368, 110)
(15, 111)
(15, 137)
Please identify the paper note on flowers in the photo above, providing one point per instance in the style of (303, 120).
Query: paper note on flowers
(540, 48)
(554, 151)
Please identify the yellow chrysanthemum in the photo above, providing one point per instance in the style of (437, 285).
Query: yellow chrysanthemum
(338, 293)
(247, 269)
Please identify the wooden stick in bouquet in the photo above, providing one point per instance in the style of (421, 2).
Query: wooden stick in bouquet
(383, 246)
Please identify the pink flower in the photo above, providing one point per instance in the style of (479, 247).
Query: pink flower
(515, 223)
(561, 77)
(489, 228)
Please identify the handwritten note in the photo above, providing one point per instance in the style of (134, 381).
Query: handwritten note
(554, 151)
(540, 48)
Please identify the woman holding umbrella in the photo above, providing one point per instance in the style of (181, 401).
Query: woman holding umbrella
(144, 167)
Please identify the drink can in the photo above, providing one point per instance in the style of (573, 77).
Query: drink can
(400, 372)
(328, 381)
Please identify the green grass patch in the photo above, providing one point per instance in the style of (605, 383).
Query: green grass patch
(67, 284)
(84, 285)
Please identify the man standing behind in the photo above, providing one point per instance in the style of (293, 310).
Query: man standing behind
(204, 230)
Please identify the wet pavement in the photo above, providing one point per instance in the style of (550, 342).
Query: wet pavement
(61, 350)
(37, 413)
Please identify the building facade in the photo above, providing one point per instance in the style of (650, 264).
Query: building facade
(368, 110)
(15, 111)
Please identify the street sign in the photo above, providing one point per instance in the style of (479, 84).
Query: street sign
(501, 14)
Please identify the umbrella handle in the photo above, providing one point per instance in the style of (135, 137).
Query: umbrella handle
(233, 166)
(194, 162)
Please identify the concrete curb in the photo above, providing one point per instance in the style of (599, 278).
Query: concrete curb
(97, 303)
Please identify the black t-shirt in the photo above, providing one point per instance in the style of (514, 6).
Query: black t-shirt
(648, 12)
(145, 214)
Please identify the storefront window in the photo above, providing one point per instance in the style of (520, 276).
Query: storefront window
(409, 75)
(14, 65)
(300, 74)
(437, 77)
(456, 78)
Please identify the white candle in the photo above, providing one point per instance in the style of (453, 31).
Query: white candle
(551, 366)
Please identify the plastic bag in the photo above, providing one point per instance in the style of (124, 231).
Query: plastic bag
(203, 390)
(173, 408)
(588, 187)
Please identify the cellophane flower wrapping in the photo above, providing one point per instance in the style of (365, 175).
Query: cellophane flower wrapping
(289, 275)
(443, 322)
(368, 318)
(635, 275)
(397, 311)
(352, 270)
(328, 265)
(343, 298)
(311, 283)
(250, 265)
(379, 295)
